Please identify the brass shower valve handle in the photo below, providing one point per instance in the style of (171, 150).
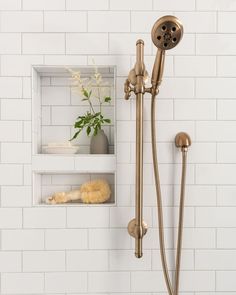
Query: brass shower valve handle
(128, 89)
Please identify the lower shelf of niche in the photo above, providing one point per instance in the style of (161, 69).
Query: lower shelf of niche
(46, 184)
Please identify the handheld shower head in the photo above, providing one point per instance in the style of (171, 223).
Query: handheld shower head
(166, 34)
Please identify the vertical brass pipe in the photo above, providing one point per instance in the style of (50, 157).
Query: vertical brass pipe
(139, 174)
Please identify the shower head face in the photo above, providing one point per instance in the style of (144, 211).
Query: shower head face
(167, 32)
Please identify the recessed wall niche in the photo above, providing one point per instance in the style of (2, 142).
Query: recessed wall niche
(57, 103)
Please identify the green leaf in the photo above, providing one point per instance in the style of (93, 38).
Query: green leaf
(88, 130)
(85, 92)
(75, 135)
(107, 121)
(107, 99)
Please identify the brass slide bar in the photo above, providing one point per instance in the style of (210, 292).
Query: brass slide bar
(137, 228)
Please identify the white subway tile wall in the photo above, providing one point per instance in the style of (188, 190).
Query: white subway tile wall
(86, 249)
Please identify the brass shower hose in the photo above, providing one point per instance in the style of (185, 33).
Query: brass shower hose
(171, 290)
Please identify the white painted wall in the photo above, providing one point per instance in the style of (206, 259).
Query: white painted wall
(78, 250)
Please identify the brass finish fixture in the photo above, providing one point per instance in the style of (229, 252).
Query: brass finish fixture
(182, 140)
(166, 34)
(136, 83)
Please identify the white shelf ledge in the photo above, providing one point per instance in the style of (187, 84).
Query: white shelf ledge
(74, 163)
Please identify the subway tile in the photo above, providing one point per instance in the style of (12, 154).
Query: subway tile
(18, 65)
(215, 173)
(124, 260)
(11, 131)
(205, 44)
(6, 89)
(225, 110)
(215, 259)
(167, 130)
(216, 5)
(16, 196)
(66, 115)
(44, 217)
(9, 155)
(43, 5)
(10, 43)
(42, 43)
(195, 109)
(215, 88)
(90, 260)
(200, 66)
(197, 195)
(177, 88)
(193, 238)
(10, 218)
(87, 217)
(225, 22)
(226, 238)
(171, 217)
(200, 153)
(108, 21)
(66, 282)
(68, 21)
(215, 217)
(109, 239)
(11, 174)
(187, 260)
(219, 131)
(171, 5)
(10, 261)
(43, 261)
(143, 21)
(126, 43)
(225, 281)
(146, 281)
(122, 63)
(108, 282)
(63, 60)
(226, 195)
(86, 43)
(10, 5)
(226, 66)
(70, 239)
(197, 281)
(16, 109)
(226, 153)
(130, 5)
(87, 5)
(55, 95)
(24, 283)
(22, 239)
(198, 22)
(21, 21)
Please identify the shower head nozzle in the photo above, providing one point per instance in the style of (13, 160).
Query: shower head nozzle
(167, 32)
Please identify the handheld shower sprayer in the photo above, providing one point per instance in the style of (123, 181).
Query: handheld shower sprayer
(166, 34)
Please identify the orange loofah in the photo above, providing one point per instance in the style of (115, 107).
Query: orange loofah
(91, 192)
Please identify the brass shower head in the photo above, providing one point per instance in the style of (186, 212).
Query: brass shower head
(167, 32)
